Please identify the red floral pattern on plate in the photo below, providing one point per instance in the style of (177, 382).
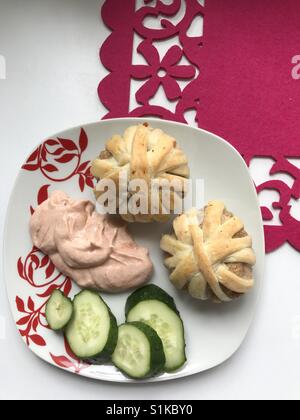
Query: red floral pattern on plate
(69, 361)
(36, 269)
(60, 151)
(39, 272)
(33, 318)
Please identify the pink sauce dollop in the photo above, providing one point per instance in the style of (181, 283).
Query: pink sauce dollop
(92, 249)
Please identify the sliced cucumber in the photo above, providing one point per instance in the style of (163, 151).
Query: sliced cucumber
(150, 292)
(154, 307)
(92, 332)
(139, 352)
(59, 310)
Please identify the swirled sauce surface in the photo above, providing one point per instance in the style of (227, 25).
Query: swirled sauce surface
(92, 249)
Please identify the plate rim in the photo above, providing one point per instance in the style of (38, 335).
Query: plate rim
(176, 375)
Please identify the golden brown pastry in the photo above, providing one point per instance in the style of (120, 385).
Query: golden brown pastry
(148, 154)
(210, 254)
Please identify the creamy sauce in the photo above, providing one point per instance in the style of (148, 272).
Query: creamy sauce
(90, 248)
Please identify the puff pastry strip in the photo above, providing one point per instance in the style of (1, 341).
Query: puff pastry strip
(148, 154)
(210, 254)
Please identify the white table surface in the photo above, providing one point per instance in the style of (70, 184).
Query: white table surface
(51, 52)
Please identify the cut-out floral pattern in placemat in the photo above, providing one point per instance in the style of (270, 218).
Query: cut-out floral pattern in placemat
(238, 80)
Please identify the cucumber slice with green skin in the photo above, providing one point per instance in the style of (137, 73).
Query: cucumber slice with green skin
(139, 353)
(92, 332)
(59, 310)
(150, 292)
(153, 306)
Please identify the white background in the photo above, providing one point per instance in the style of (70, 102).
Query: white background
(53, 69)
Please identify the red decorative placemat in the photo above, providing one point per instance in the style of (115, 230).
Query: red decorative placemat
(241, 80)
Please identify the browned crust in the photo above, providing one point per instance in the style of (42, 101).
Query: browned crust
(240, 269)
(105, 154)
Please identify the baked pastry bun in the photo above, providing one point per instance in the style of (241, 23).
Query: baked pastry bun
(148, 154)
(210, 254)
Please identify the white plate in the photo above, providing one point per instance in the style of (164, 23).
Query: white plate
(213, 332)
